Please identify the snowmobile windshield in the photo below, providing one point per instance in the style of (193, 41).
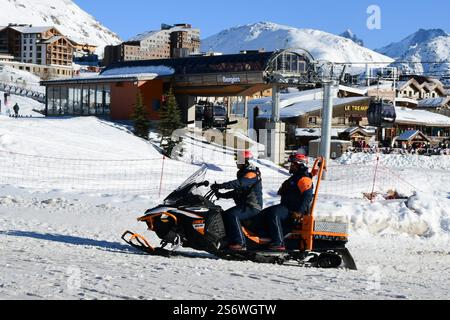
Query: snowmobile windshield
(220, 111)
(189, 186)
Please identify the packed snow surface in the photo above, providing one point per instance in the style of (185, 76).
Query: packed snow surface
(65, 244)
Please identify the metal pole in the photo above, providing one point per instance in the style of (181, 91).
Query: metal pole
(275, 104)
(325, 145)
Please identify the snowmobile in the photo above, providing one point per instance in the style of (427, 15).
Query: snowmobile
(189, 219)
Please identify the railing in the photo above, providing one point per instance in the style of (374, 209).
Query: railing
(24, 92)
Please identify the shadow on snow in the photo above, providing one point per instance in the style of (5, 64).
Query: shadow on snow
(71, 240)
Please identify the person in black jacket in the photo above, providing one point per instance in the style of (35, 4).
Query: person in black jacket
(248, 196)
(296, 194)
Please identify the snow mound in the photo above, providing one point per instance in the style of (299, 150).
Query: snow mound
(423, 215)
(398, 161)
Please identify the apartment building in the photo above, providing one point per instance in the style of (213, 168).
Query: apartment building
(36, 45)
(172, 41)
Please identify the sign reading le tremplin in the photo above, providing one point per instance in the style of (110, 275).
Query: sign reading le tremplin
(231, 80)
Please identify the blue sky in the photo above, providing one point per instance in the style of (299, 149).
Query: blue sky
(399, 18)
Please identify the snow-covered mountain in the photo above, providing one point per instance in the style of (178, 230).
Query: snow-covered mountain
(271, 36)
(348, 34)
(65, 15)
(421, 48)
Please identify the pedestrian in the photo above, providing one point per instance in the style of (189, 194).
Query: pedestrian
(16, 109)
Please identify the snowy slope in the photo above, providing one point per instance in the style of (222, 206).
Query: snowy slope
(271, 36)
(20, 78)
(63, 244)
(419, 48)
(350, 35)
(65, 15)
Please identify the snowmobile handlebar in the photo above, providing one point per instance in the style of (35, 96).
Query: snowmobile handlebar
(205, 184)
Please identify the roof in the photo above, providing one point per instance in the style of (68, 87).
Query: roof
(102, 78)
(205, 64)
(434, 103)
(53, 39)
(353, 130)
(411, 135)
(316, 132)
(28, 29)
(304, 107)
(421, 117)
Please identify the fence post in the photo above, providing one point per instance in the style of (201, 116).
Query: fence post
(375, 180)
(162, 176)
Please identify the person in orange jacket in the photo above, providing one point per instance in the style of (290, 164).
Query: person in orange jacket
(296, 194)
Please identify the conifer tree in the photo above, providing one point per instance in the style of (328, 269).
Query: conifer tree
(169, 122)
(140, 118)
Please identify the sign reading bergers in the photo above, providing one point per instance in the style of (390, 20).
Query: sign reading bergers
(231, 80)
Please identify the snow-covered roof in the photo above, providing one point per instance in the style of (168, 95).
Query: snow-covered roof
(305, 107)
(421, 117)
(103, 78)
(28, 29)
(361, 90)
(287, 99)
(316, 132)
(408, 100)
(53, 39)
(158, 70)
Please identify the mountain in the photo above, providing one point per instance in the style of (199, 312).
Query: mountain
(65, 15)
(421, 48)
(348, 34)
(271, 36)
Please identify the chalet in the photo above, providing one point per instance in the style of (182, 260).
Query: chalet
(420, 87)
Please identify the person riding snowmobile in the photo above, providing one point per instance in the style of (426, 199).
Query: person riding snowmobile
(248, 196)
(296, 198)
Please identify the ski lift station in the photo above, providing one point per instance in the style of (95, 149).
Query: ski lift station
(113, 92)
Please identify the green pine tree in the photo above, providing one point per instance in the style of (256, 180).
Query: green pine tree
(140, 118)
(169, 122)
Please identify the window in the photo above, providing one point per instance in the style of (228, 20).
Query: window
(312, 120)
(92, 97)
(77, 101)
(341, 121)
(156, 105)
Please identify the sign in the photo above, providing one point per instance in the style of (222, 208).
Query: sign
(231, 80)
(357, 108)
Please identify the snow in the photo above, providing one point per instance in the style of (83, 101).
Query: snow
(65, 15)
(20, 78)
(405, 115)
(271, 36)
(420, 47)
(65, 244)
(304, 107)
(157, 70)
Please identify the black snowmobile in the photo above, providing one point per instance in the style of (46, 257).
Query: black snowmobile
(191, 220)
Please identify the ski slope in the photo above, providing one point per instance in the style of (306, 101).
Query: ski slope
(65, 244)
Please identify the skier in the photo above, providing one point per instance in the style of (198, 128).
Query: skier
(247, 194)
(296, 198)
